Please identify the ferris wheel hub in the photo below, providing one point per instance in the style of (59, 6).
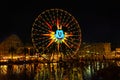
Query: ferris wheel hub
(59, 34)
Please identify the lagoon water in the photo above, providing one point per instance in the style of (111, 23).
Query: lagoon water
(84, 70)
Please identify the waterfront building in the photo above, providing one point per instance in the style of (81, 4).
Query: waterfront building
(95, 48)
(10, 44)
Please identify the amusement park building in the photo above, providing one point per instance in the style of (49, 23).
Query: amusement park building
(13, 44)
(95, 48)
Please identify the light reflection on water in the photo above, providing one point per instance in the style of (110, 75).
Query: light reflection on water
(53, 71)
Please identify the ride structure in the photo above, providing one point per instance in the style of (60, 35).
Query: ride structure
(55, 31)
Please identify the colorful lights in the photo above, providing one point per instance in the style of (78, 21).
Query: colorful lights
(56, 30)
(57, 37)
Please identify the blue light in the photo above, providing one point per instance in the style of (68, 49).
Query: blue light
(59, 34)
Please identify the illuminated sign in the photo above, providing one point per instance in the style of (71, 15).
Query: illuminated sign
(59, 34)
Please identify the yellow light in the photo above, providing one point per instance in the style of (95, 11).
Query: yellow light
(53, 38)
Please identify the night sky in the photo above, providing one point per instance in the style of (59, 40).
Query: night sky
(99, 20)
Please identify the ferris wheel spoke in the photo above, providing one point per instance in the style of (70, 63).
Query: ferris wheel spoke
(70, 35)
(58, 46)
(73, 43)
(66, 44)
(68, 23)
(51, 17)
(58, 24)
(49, 25)
(39, 26)
(46, 35)
(50, 43)
(45, 21)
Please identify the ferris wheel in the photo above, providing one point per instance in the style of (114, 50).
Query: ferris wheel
(56, 30)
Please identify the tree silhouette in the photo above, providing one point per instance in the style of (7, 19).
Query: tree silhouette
(12, 50)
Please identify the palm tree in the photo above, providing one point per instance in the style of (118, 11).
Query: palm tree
(12, 50)
(25, 52)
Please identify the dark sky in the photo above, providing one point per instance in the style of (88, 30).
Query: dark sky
(99, 20)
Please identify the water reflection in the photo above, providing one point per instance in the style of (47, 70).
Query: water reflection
(85, 70)
(56, 72)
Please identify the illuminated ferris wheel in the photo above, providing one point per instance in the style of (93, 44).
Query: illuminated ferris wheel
(56, 30)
